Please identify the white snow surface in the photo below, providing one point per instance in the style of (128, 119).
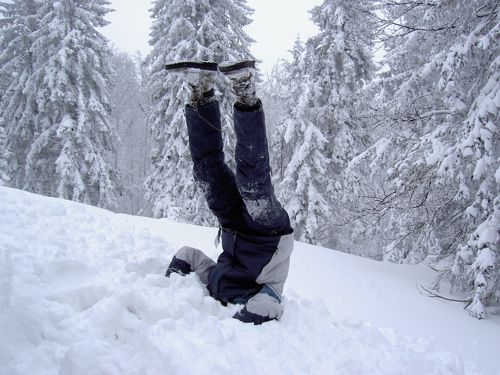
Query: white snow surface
(82, 291)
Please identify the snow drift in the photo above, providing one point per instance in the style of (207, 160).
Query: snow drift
(82, 291)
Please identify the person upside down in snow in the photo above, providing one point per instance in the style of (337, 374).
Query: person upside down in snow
(257, 239)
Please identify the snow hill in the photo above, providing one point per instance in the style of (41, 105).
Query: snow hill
(82, 292)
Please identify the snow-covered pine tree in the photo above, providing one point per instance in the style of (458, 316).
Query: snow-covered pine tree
(70, 79)
(187, 30)
(18, 109)
(146, 107)
(302, 188)
(299, 164)
(442, 189)
(273, 90)
(339, 63)
(284, 89)
(129, 118)
(357, 217)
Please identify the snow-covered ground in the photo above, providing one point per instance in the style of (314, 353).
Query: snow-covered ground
(82, 292)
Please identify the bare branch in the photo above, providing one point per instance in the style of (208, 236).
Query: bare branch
(432, 294)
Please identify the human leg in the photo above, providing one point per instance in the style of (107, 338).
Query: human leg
(203, 120)
(263, 214)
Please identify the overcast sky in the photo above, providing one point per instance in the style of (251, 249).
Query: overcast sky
(276, 25)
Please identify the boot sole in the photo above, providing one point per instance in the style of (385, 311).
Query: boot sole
(192, 65)
(240, 65)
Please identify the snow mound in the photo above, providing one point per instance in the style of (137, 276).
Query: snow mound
(82, 292)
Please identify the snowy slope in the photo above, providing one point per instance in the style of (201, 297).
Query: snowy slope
(82, 292)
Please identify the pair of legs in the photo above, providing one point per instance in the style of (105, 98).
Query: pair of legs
(245, 201)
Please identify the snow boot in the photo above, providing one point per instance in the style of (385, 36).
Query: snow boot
(199, 76)
(241, 74)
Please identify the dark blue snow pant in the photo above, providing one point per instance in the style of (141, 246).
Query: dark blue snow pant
(244, 202)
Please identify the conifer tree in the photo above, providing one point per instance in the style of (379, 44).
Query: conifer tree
(129, 118)
(322, 130)
(340, 63)
(439, 157)
(55, 110)
(274, 91)
(18, 108)
(301, 165)
(302, 188)
(72, 132)
(187, 30)
(294, 79)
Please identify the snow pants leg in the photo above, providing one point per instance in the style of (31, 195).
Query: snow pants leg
(262, 213)
(245, 202)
